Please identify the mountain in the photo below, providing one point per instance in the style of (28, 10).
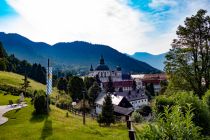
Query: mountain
(156, 61)
(71, 54)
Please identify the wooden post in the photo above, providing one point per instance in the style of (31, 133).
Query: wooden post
(129, 123)
(131, 134)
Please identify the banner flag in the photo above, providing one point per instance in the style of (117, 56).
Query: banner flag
(49, 81)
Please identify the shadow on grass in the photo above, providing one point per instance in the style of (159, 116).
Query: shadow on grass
(17, 110)
(38, 117)
(47, 129)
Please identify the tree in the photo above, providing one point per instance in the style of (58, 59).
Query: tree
(137, 117)
(134, 85)
(3, 65)
(3, 53)
(88, 81)
(110, 87)
(108, 111)
(93, 92)
(62, 84)
(190, 53)
(40, 102)
(76, 87)
(150, 89)
(26, 84)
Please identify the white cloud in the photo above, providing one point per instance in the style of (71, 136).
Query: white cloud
(162, 3)
(109, 22)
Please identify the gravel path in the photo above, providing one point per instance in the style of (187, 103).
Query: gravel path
(6, 108)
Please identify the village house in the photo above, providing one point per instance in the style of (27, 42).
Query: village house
(137, 98)
(122, 106)
(143, 79)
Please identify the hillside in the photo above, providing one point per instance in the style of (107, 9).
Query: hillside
(15, 80)
(73, 54)
(156, 61)
(24, 125)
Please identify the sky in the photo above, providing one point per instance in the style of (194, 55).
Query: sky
(128, 26)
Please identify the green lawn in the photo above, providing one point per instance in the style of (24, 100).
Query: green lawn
(4, 99)
(23, 125)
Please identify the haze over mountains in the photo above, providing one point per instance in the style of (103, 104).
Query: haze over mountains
(156, 61)
(74, 54)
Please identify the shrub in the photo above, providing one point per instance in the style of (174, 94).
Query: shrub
(172, 124)
(145, 110)
(200, 109)
(100, 119)
(40, 104)
(136, 117)
(64, 101)
(163, 101)
(206, 99)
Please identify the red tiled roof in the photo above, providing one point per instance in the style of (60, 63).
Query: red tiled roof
(124, 83)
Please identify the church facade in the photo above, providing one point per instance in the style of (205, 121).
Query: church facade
(103, 72)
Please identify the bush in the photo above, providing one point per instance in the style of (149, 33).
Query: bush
(40, 104)
(172, 124)
(64, 101)
(136, 117)
(145, 111)
(200, 109)
(100, 119)
(206, 99)
(163, 101)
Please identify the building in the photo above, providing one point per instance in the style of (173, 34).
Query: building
(103, 72)
(137, 98)
(120, 81)
(144, 79)
(122, 106)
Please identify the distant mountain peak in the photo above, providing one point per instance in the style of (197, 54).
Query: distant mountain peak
(71, 54)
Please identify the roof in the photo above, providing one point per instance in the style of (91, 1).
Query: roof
(138, 76)
(124, 83)
(132, 95)
(102, 67)
(115, 99)
(122, 110)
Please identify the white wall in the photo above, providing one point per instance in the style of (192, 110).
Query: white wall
(98, 109)
(138, 103)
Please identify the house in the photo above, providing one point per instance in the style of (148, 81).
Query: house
(125, 85)
(137, 98)
(122, 106)
(144, 79)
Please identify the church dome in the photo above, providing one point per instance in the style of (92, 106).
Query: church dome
(118, 68)
(102, 66)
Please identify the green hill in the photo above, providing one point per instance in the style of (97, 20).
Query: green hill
(15, 80)
(23, 124)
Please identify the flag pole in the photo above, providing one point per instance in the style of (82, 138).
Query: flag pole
(48, 65)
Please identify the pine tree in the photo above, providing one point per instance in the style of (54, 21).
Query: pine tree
(110, 87)
(25, 84)
(62, 84)
(93, 92)
(108, 111)
(3, 53)
(134, 85)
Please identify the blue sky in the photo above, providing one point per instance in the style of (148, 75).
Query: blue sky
(126, 25)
